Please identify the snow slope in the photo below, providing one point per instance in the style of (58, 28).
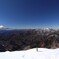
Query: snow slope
(31, 54)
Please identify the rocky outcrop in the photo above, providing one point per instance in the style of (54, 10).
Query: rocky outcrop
(12, 40)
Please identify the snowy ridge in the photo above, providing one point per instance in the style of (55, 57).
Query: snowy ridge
(31, 54)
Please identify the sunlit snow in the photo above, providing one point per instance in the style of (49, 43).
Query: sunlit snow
(31, 54)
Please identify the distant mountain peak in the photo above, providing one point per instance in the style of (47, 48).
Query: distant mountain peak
(46, 28)
(1, 27)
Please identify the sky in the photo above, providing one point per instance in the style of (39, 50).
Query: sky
(29, 13)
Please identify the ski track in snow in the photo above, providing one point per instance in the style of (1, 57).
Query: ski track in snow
(31, 54)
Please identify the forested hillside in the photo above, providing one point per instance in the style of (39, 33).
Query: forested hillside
(12, 40)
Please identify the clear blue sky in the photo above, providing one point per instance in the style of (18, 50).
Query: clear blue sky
(29, 13)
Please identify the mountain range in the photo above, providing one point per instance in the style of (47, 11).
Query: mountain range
(23, 39)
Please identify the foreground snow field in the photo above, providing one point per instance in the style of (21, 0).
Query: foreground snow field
(31, 54)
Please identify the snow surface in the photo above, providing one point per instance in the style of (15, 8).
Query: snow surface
(31, 54)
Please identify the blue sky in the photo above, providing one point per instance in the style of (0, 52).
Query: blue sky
(29, 13)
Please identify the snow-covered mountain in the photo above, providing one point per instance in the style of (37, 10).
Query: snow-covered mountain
(1, 27)
(4, 28)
